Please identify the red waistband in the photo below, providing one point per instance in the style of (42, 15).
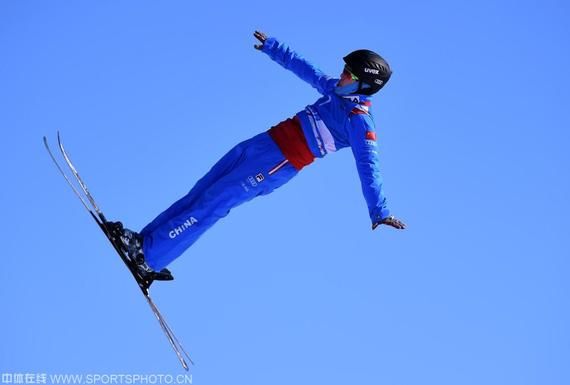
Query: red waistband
(291, 141)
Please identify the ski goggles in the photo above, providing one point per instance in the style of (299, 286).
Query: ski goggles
(348, 73)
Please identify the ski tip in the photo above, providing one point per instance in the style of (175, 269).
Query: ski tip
(46, 144)
(185, 364)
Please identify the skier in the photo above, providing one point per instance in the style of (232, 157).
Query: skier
(340, 118)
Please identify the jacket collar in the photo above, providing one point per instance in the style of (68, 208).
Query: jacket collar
(359, 101)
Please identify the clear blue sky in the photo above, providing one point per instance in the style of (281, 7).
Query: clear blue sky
(292, 288)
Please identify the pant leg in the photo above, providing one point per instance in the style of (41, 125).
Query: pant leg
(222, 167)
(248, 177)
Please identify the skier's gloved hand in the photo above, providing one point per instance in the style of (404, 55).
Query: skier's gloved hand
(390, 221)
(261, 37)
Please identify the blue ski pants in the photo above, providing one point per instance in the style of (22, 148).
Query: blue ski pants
(252, 168)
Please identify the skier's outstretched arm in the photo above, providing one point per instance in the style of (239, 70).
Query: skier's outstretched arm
(289, 59)
(364, 148)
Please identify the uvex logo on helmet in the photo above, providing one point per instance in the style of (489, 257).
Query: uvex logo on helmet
(372, 70)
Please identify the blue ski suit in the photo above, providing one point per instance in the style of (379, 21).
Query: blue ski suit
(265, 162)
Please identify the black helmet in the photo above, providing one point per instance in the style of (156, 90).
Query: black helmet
(371, 69)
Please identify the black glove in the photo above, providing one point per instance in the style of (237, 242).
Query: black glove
(261, 37)
(390, 221)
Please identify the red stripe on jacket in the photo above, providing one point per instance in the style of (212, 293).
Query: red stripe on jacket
(289, 137)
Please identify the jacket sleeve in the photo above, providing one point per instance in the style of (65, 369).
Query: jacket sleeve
(289, 59)
(362, 138)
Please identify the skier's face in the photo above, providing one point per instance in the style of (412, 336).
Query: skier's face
(346, 77)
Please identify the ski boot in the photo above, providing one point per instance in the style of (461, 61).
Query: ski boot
(130, 243)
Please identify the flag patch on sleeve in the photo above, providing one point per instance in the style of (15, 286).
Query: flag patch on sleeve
(370, 135)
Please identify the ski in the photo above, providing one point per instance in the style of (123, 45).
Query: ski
(94, 210)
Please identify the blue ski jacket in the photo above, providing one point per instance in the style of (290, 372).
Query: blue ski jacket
(334, 122)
